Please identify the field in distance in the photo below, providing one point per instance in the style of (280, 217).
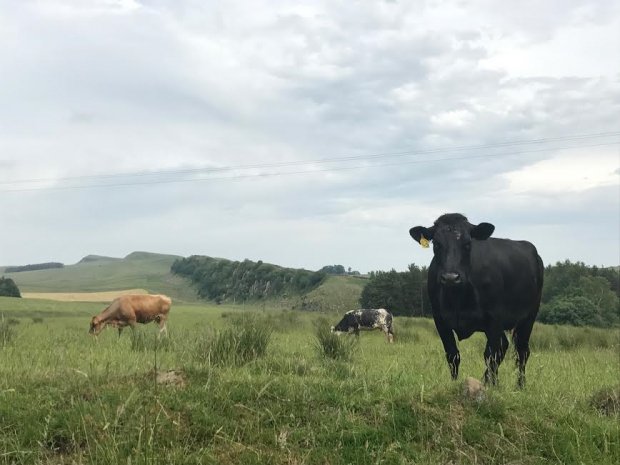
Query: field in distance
(107, 296)
(65, 398)
(95, 274)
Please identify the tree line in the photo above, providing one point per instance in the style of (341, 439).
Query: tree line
(224, 280)
(33, 267)
(339, 270)
(8, 288)
(573, 294)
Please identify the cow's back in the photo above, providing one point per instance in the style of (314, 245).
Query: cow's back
(144, 305)
(506, 273)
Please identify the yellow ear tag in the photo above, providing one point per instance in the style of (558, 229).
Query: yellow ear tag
(423, 242)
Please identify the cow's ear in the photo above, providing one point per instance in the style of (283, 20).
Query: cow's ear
(420, 232)
(482, 232)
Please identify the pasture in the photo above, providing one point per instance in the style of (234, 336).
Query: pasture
(65, 398)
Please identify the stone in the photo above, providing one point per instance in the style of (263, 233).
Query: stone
(473, 389)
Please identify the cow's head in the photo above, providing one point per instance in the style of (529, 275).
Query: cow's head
(452, 237)
(345, 325)
(96, 326)
(335, 331)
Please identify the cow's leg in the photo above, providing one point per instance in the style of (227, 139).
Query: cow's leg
(120, 331)
(389, 334)
(449, 345)
(162, 324)
(497, 345)
(521, 340)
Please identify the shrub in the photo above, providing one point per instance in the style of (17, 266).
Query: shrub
(330, 345)
(38, 319)
(245, 342)
(571, 310)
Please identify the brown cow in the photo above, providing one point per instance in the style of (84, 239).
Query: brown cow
(128, 310)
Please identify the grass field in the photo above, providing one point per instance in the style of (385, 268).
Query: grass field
(65, 398)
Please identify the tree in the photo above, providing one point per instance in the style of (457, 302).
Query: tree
(222, 280)
(8, 288)
(401, 293)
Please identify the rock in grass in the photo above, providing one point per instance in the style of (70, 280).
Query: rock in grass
(473, 389)
(607, 401)
(171, 378)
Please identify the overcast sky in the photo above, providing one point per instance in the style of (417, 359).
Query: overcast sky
(126, 86)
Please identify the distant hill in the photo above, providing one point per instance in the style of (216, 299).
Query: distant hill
(152, 272)
(97, 258)
(138, 270)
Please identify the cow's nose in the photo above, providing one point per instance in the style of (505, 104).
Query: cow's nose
(450, 278)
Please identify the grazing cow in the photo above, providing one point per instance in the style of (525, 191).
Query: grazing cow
(128, 310)
(366, 320)
(481, 284)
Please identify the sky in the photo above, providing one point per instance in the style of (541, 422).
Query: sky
(189, 115)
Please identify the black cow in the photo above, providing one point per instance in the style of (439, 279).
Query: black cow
(477, 283)
(366, 320)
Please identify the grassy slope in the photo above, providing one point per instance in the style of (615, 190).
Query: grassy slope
(66, 399)
(336, 293)
(138, 270)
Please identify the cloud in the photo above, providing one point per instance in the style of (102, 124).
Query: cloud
(107, 87)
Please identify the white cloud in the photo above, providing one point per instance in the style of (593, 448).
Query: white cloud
(454, 118)
(567, 173)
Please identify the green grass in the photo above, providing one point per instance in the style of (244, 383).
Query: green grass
(139, 270)
(65, 398)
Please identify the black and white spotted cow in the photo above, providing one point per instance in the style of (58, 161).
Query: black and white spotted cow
(366, 320)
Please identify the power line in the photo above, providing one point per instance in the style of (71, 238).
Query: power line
(315, 161)
(286, 173)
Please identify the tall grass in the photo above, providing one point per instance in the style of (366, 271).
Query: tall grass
(332, 346)
(143, 340)
(7, 331)
(241, 344)
(551, 338)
